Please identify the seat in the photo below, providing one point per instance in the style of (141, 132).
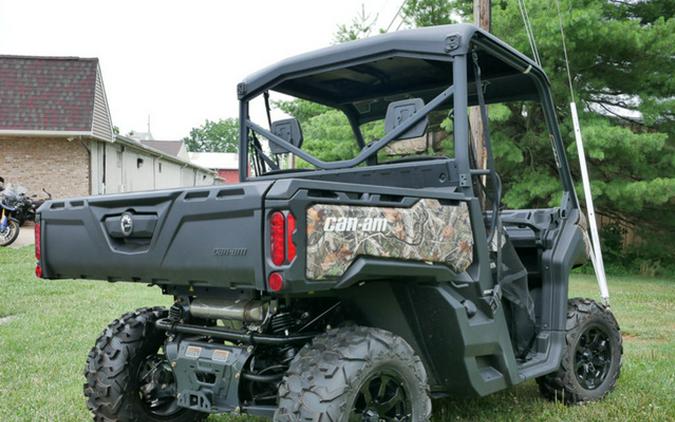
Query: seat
(413, 141)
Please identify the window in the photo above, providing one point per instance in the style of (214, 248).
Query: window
(328, 135)
(139, 163)
(523, 155)
(437, 141)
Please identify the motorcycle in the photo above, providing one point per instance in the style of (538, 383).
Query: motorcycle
(10, 199)
(28, 206)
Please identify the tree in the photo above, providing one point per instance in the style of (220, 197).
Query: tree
(621, 55)
(421, 13)
(214, 136)
(360, 27)
(326, 131)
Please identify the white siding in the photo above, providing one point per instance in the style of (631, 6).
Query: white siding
(138, 171)
(169, 176)
(97, 167)
(187, 176)
(101, 125)
(125, 173)
(204, 179)
(114, 168)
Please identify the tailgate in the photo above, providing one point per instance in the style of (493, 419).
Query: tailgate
(209, 236)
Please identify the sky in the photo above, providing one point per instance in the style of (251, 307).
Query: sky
(177, 62)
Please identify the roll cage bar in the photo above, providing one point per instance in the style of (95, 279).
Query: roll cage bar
(479, 42)
(369, 150)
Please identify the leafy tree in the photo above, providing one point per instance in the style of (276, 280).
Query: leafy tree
(434, 12)
(327, 133)
(621, 56)
(302, 110)
(214, 136)
(360, 27)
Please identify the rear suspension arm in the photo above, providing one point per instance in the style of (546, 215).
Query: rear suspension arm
(166, 324)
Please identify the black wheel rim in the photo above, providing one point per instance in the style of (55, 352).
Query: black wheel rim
(593, 357)
(157, 386)
(383, 397)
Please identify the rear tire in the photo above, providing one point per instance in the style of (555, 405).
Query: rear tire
(591, 361)
(123, 352)
(11, 233)
(355, 371)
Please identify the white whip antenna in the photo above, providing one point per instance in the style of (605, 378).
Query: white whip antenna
(596, 253)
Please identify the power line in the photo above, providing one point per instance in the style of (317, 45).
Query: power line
(400, 24)
(529, 32)
(398, 12)
(567, 61)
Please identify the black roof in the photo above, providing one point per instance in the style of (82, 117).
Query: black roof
(362, 76)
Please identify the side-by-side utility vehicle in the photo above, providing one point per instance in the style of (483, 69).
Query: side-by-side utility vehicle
(357, 288)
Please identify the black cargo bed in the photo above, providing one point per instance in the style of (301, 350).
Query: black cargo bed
(208, 236)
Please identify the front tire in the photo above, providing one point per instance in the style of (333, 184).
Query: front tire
(127, 379)
(11, 232)
(591, 361)
(355, 373)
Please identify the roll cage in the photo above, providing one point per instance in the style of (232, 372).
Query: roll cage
(443, 65)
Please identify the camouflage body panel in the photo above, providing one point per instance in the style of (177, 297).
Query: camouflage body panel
(428, 231)
(583, 225)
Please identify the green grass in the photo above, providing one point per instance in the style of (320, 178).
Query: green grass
(47, 328)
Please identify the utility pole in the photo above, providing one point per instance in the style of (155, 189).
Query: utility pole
(482, 14)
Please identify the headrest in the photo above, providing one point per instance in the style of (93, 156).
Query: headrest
(399, 111)
(289, 130)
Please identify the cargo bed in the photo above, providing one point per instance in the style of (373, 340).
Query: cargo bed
(197, 236)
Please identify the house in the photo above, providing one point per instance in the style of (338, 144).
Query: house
(56, 133)
(226, 164)
(132, 166)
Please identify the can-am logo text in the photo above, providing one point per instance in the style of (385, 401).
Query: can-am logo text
(343, 224)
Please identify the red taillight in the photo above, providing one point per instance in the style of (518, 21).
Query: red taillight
(290, 222)
(38, 237)
(276, 282)
(278, 240)
(38, 250)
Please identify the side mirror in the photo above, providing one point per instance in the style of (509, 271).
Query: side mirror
(289, 130)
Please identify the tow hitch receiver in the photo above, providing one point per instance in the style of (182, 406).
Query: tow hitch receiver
(207, 374)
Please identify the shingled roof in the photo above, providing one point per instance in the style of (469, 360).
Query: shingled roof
(53, 96)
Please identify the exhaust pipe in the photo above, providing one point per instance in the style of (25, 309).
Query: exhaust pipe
(240, 310)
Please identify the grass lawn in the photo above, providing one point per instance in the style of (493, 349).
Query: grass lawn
(47, 328)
